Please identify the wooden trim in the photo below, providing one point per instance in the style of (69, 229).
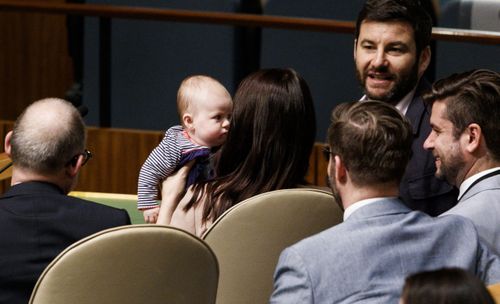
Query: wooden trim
(235, 19)
(474, 36)
(92, 195)
(120, 153)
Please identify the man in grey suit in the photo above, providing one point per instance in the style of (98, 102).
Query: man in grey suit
(366, 258)
(465, 140)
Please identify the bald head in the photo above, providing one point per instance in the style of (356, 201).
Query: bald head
(47, 135)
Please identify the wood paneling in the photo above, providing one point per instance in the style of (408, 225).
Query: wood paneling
(118, 155)
(5, 127)
(34, 61)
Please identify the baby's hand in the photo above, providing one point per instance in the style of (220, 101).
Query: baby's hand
(151, 215)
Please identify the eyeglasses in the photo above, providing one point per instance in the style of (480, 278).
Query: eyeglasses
(87, 155)
(326, 152)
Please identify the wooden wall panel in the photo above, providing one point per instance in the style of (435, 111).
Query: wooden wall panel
(321, 170)
(34, 61)
(5, 127)
(118, 155)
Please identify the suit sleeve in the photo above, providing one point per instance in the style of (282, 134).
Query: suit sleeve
(126, 218)
(292, 283)
(488, 264)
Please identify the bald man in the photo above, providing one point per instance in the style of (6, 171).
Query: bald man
(37, 218)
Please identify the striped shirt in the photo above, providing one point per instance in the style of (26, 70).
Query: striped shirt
(174, 151)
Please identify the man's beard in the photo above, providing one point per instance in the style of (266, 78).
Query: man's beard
(404, 83)
(335, 191)
(450, 169)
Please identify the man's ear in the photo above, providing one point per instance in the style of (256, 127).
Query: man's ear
(7, 146)
(354, 48)
(340, 170)
(473, 139)
(74, 167)
(187, 120)
(424, 60)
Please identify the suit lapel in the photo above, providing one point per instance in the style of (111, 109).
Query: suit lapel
(485, 184)
(417, 109)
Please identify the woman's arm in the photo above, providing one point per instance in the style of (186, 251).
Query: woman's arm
(173, 203)
(191, 219)
(172, 192)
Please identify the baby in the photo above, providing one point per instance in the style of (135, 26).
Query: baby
(204, 108)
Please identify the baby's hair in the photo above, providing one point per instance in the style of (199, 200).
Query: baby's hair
(189, 89)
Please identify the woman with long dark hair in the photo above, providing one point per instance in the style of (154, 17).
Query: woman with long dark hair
(270, 139)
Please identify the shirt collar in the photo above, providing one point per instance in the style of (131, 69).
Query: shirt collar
(403, 104)
(465, 185)
(359, 204)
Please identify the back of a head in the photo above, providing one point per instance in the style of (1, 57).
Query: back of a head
(46, 136)
(373, 140)
(272, 129)
(410, 11)
(472, 97)
(270, 139)
(445, 286)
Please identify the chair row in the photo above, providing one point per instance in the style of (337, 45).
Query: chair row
(158, 264)
(232, 263)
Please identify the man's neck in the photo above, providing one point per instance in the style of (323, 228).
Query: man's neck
(22, 176)
(353, 194)
(479, 166)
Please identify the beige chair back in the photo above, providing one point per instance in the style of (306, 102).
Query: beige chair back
(248, 238)
(131, 264)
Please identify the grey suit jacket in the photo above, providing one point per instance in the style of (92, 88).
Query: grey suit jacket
(366, 258)
(481, 204)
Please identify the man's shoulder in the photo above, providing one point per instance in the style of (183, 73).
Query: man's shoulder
(483, 203)
(343, 233)
(83, 203)
(96, 211)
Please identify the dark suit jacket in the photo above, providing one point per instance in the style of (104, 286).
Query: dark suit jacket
(420, 189)
(37, 222)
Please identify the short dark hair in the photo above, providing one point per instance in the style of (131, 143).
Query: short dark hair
(471, 97)
(410, 11)
(445, 286)
(373, 140)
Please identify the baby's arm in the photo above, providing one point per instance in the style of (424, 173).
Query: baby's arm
(151, 215)
(160, 163)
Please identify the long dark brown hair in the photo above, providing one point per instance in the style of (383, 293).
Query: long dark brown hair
(269, 142)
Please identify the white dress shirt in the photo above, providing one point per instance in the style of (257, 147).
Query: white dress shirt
(465, 185)
(359, 204)
(403, 104)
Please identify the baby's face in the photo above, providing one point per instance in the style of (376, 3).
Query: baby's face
(211, 117)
